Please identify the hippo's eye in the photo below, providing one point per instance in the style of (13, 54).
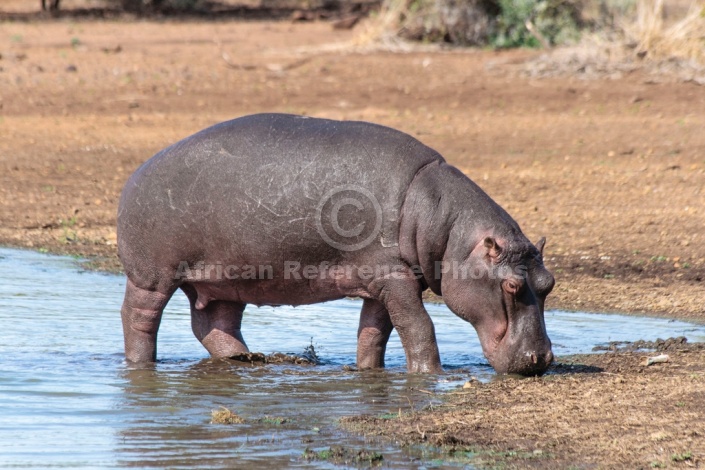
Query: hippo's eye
(512, 285)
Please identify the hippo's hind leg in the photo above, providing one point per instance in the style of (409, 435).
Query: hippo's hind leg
(217, 325)
(373, 334)
(141, 315)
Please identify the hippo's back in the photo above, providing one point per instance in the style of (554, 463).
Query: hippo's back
(251, 189)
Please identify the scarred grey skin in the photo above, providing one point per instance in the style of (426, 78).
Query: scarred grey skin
(255, 191)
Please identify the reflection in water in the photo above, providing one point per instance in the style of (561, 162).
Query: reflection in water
(68, 399)
(308, 400)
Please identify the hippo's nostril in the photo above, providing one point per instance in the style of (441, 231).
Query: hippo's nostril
(549, 357)
(534, 359)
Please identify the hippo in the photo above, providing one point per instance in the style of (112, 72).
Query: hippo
(278, 209)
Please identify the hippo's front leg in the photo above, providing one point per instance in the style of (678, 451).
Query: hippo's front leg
(373, 334)
(402, 298)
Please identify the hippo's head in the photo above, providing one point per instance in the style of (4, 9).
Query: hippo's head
(500, 288)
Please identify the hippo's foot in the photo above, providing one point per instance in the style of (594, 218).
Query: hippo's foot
(373, 334)
(222, 344)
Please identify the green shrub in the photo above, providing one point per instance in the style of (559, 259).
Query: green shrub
(553, 22)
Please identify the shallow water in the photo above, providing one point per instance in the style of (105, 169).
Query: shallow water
(67, 399)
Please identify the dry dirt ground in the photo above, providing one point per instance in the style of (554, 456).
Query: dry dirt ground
(611, 171)
(593, 411)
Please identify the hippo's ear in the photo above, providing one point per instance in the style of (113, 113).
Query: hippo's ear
(540, 244)
(493, 249)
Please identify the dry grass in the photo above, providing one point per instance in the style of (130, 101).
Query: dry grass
(684, 39)
(383, 26)
(381, 31)
(665, 48)
(225, 416)
(640, 37)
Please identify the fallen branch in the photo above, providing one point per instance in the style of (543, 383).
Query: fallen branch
(228, 60)
(655, 360)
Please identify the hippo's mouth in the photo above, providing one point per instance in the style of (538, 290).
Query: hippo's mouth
(497, 334)
(507, 302)
(517, 346)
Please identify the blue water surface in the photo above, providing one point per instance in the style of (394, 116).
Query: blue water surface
(67, 398)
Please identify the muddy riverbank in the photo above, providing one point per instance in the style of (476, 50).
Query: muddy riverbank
(591, 411)
(612, 172)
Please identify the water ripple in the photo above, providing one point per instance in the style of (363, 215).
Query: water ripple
(68, 400)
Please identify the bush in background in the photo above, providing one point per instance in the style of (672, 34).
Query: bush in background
(498, 23)
(461, 22)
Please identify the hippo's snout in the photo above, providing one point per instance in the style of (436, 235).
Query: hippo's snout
(523, 362)
(532, 363)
